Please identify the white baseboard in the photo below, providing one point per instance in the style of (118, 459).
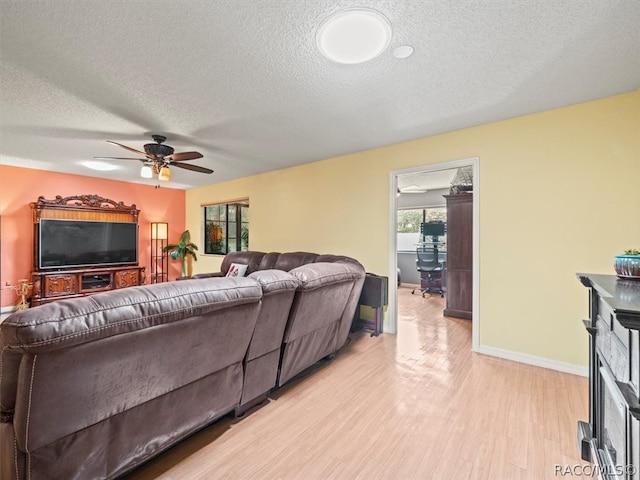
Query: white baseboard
(535, 361)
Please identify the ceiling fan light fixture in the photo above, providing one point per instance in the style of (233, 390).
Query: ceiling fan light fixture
(164, 174)
(157, 158)
(100, 166)
(354, 35)
(146, 171)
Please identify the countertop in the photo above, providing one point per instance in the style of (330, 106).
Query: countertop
(623, 296)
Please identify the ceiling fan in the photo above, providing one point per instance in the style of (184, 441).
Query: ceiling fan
(158, 157)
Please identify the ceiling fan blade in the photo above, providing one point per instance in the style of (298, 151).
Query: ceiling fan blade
(128, 148)
(181, 157)
(119, 158)
(194, 168)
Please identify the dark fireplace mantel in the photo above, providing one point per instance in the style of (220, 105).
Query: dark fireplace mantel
(611, 437)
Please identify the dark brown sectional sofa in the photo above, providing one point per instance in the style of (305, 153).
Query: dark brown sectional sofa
(92, 387)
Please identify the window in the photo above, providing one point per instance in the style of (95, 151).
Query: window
(409, 225)
(226, 228)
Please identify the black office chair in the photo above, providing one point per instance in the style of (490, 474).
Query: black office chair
(431, 270)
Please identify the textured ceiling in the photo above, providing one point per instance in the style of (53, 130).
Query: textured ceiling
(243, 83)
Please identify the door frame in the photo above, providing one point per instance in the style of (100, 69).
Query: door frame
(392, 309)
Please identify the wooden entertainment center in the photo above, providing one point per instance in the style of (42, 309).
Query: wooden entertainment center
(57, 284)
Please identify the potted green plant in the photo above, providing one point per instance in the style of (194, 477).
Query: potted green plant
(627, 265)
(185, 251)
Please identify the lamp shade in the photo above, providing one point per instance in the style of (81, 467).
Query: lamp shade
(165, 174)
(159, 230)
(146, 171)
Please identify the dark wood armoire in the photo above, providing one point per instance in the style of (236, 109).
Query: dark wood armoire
(459, 256)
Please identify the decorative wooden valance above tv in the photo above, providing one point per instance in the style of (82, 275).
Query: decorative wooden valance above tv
(83, 244)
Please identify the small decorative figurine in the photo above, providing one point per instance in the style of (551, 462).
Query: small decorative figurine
(22, 289)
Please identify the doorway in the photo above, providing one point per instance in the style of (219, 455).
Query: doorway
(403, 183)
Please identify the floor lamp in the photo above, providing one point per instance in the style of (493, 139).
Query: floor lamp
(159, 258)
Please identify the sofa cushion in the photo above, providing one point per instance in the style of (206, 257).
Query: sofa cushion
(261, 361)
(278, 290)
(251, 259)
(286, 261)
(336, 259)
(320, 274)
(275, 280)
(322, 310)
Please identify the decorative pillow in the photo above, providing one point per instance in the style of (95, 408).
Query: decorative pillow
(237, 270)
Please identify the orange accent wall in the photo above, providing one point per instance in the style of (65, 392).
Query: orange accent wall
(20, 186)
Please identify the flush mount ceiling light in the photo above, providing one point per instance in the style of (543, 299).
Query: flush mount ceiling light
(101, 166)
(354, 35)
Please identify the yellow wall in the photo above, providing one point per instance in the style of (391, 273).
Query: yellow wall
(559, 194)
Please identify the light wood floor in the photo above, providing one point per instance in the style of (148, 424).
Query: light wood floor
(417, 405)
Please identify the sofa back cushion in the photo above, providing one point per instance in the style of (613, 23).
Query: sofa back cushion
(321, 297)
(319, 309)
(278, 290)
(286, 261)
(250, 259)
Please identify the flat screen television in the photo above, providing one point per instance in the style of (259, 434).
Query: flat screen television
(81, 243)
(433, 229)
